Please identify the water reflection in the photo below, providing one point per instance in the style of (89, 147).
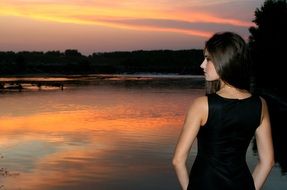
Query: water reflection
(93, 137)
(90, 136)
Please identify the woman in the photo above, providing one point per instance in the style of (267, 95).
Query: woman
(224, 122)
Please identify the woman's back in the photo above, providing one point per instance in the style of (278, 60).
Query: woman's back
(222, 144)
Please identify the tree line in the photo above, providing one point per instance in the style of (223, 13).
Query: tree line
(71, 61)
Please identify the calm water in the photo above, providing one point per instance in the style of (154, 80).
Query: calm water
(102, 137)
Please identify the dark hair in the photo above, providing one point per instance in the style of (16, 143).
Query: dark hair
(230, 55)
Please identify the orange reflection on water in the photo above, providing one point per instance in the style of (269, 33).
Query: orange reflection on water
(89, 138)
(85, 120)
(82, 145)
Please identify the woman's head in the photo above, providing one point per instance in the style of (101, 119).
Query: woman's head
(230, 56)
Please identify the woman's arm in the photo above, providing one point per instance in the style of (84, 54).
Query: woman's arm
(265, 149)
(194, 119)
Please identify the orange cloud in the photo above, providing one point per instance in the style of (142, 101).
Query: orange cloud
(110, 13)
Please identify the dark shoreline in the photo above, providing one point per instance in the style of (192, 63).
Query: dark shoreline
(136, 80)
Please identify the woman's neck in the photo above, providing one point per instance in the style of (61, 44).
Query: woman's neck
(230, 91)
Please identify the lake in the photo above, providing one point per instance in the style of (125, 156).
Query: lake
(118, 134)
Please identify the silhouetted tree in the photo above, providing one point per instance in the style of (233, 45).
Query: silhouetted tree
(268, 42)
(20, 63)
(72, 53)
(54, 53)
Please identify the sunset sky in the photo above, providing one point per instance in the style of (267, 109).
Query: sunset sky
(119, 25)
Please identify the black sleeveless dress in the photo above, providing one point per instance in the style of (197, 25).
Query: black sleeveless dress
(222, 144)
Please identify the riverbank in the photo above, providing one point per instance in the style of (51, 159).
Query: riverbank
(62, 81)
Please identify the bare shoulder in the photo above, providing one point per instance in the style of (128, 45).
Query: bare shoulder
(264, 110)
(263, 100)
(264, 104)
(199, 108)
(199, 102)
